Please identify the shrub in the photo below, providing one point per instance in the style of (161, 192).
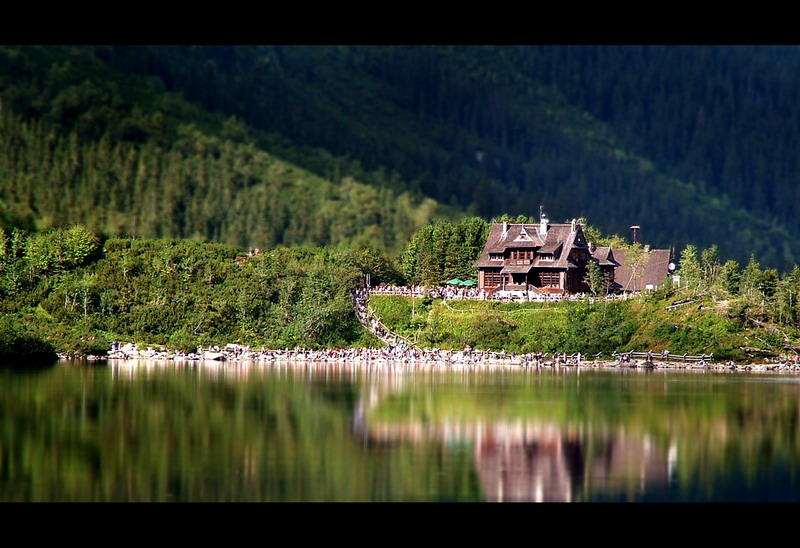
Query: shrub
(16, 341)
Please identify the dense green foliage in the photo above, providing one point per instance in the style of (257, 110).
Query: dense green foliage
(444, 250)
(16, 341)
(181, 293)
(363, 147)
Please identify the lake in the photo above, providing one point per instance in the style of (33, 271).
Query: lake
(160, 431)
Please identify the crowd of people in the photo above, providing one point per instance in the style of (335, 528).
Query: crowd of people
(384, 289)
(457, 293)
(396, 351)
(400, 352)
(453, 292)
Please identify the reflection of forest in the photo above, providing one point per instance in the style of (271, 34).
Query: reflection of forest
(542, 462)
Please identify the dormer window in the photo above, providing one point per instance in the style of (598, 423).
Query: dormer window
(495, 256)
(546, 256)
(521, 254)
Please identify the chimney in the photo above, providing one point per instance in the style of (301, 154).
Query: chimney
(591, 247)
(647, 248)
(635, 230)
(505, 228)
(543, 226)
(572, 225)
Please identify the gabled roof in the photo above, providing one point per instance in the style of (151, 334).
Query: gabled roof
(652, 272)
(604, 256)
(559, 240)
(525, 237)
(499, 241)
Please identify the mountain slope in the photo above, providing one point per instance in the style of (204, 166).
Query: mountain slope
(612, 134)
(80, 143)
(504, 129)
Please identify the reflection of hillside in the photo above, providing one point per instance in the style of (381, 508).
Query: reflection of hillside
(543, 462)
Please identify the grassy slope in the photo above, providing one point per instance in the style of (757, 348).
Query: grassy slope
(575, 326)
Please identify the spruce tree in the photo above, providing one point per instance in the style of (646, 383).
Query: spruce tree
(689, 267)
(730, 277)
(751, 278)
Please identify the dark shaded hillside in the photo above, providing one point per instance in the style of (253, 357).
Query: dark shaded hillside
(725, 117)
(691, 143)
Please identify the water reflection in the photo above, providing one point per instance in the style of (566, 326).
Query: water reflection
(544, 462)
(314, 431)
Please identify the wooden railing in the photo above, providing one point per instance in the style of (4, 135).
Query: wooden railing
(665, 356)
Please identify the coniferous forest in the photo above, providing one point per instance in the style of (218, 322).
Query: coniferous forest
(263, 145)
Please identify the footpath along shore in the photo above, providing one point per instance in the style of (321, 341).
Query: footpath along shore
(432, 357)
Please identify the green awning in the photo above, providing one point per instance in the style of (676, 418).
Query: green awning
(454, 281)
(469, 282)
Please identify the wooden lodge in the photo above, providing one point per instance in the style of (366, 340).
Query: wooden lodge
(550, 258)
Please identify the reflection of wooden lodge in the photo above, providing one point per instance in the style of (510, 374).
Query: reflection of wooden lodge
(543, 462)
(550, 258)
(540, 468)
(555, 467)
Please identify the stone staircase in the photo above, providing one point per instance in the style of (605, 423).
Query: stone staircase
(371, 322)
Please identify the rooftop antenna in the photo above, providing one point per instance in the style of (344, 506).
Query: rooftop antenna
(635, 230)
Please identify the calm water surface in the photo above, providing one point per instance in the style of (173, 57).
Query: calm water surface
(313, 432)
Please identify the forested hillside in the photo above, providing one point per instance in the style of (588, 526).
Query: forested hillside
(82, 144)
(260, 145)
(694, 144)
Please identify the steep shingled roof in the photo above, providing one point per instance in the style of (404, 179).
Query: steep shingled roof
(605, 256)
(557, 236)
(653, 272)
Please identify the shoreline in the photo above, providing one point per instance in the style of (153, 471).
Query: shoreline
(452, 361)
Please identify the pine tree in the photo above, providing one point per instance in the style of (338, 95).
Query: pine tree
(730, 277)
(689, 267)
(751, 278)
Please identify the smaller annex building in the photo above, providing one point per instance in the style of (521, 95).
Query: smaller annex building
(551, 258)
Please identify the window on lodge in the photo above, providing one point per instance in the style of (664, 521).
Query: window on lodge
(550, 279)
(521, 254)
(546, 256)
(493, 278)
(495, 257)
